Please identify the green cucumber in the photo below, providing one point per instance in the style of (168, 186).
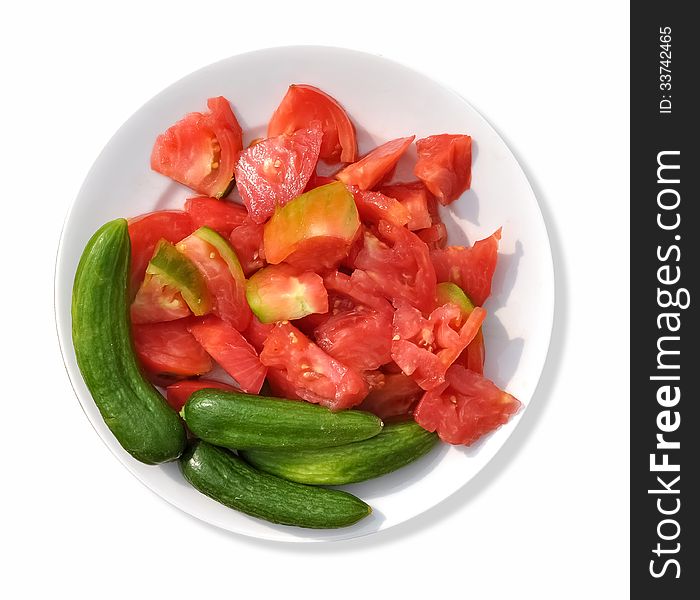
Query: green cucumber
(226, 478)
(396, 446)
(136, 413)
(242, 421)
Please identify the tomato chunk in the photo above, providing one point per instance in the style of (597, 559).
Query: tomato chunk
(474, 355)
(370, 170)
(445, 165)
(310, 373)
(282, 292)
(231, 350)
(157, 302)
(304, 104)
(276, 170)
(465, 407)
(470, 268)
(257, 333)
(375, 206)
(222, 216)
(179, 393)
(169, 349)
(313, 231)
(201, 150)
(415, 198)
(394, 396)
(247, 241)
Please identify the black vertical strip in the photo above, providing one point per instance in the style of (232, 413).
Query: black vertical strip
(665, 260)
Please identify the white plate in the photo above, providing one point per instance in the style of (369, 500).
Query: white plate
(386, 100)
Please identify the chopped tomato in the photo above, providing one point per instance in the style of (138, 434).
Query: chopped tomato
(179, 393)
(282, 292)
(473, 356)
(157, 302)
(169, 349)
(445, 165)
(222, 272)
(370, 170)
(359, 288)
(304, 104)
(375, 206)
(311, 374)
(315, 230)
(221, 215)
(393, 397)
(414, 197)
(201, 150)
(317, 180)
(276, 170)
(465, 407)
(425, 348)
(247, 241)
(434, 236)
(470, 268)
(146, 231)
(257, 333)
(401, 270)
(230, 349)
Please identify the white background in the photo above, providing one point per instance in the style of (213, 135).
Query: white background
(549, 516)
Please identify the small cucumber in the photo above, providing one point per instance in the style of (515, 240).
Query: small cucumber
(132, 408)
(396, 446)
(226, 478)
(242, 421)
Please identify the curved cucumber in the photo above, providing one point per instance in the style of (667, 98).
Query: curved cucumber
(135, 412)
(227, 479)
(396, 446)
(241, 421)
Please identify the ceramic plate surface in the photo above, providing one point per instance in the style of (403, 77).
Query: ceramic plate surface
(385, 100)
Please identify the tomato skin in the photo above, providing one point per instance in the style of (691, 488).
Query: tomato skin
(470, 268)
(276, 170)
(373, 168)
(304, 104)
(317, 180)
(247, 241)
(231, 350)
(146, 231)
(201, 150)
(394, 397)
(402, 270)
(221, 215)
(465, 407)
(179, 393)
(311, 374)
(415, 198)
(169, 349)
(445, 165)
(375, 206)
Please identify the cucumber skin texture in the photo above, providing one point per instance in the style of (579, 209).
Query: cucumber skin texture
(396, 446)
(135, 412)
(219, 474)
(243, 421)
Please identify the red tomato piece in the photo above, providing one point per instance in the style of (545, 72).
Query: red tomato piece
(317, 180)
(375, 206)
(145, 232)
(434, 236)
(465, 407)
(402, 270)
(247, 241)
(470, 268)
(445, 165)
(276, 170)
(179, 393)
(359, 288)
(475, 354)
(231, 350)
(223, 274)
(312, 374)
(201, 150)
(257, 333)
(304, 104)
(415, 197)
(156, 302)
(169, 349)
(370, 170)
(394, 397)
(221, 215)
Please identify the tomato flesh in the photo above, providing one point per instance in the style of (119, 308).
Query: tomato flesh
(231, 350)
(169, 349)
(201, 150)
(375, 206)
(303, 104)
(222, 216)
(415, 198)
(310, 373)
(464, 408)
(276, 170)
(179, 393)
(445, 165)
(247, 241)
(474, 355)
(157, 302)
(373, 168)
(282, 292)
(470, 268)
(394, 396)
